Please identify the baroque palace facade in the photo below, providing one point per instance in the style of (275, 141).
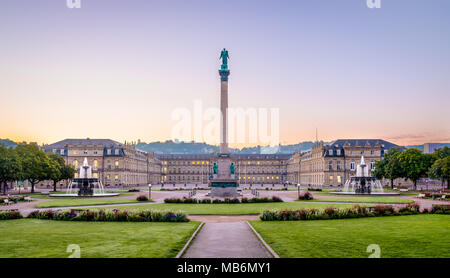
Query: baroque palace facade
(117, 164)
(113, 163)
(334, 163)
(250, 168)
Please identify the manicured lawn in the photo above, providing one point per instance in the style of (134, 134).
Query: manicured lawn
(83, 202)
(230, 209)
(31, 238)
(365, 200)
(45, 196)
(413, 236)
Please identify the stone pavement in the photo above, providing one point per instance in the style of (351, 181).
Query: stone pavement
(226, 240)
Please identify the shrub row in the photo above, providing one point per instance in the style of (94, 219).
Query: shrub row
(142, 198)
(353, 212)
(113, 215)
(314, 189)
(225, 201)
(7, 215)
(305, 196)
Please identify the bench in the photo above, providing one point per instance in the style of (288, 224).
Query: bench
(404, 190)
(421, 195)
(6, 201)
(443, 197)
(28, 199)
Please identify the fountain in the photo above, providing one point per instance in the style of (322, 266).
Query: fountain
(86, 185)
(362, 183)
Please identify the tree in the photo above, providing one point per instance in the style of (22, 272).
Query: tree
(10, 166)
(56, 166)
(441, 170)
(442, 152)
(35, 164)
(414, 164)
(389, 167)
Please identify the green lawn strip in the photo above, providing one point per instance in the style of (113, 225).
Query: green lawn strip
(230, 209)
(364, 200)
(44, 196)
(413, 236)
(83, 202)
(32, 238)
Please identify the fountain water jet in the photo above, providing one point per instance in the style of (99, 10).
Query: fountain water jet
(86, 185)
(362, 183)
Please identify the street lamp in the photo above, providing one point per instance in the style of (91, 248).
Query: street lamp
(149, 191)
(298, 191)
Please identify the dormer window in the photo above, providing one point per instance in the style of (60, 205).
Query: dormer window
(330, 152)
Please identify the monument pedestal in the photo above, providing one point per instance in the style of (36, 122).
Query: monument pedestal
(224, 183)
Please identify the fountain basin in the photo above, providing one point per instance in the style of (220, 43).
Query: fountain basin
(85, 196)
(366, 194)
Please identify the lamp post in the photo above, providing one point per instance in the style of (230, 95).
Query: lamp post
(298, 191)
(149, 191)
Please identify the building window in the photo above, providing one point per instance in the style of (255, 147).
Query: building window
(108, 176)
(116, 164)
(85, 152)
(75, 164)
(338, 152)
(338, 165)
(75, 152)
(95, 175)
(116, 151)
(372, 152)
(330, 165)
(352, 166)
(372, 165)
(338, 179)
(331, 178)
(108, 151)
(330, 152)
(95, 164)
(116, 177)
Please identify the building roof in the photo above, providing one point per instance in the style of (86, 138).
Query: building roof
(209, 156)
(362, 142)
(61, 144)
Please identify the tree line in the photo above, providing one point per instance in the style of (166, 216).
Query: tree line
(28, 162)
(413, 164)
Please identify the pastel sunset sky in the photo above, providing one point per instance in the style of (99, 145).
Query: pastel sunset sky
(118, 69)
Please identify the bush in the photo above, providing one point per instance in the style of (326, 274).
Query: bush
(314, 189)
(382, 210)
(305, 196)
(142, 198)
(113, 215)
(276, 199)
(133, 190)
(7, 215)
(412, 208)
(440, 209)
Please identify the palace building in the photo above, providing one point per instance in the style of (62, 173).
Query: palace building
(117, 164)
(334, 163)
(113, 163)
(249, 168)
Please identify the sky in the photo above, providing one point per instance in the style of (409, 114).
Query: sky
(119, 69)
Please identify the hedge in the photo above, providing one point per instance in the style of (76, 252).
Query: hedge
(353, 212)
(113, 215)
(225, 201)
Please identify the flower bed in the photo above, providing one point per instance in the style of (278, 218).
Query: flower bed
(353, 212)
(305, 196)
(224, 201)
(113, 215)
(7, 215)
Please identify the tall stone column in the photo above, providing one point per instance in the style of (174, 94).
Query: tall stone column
(224, 110)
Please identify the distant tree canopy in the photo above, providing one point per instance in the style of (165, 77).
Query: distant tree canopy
(28, 162)
(413, 164)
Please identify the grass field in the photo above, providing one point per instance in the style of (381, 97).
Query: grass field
(30, 238)
(414, 236)
(230, 209)
(83, 202)
(365, 200)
